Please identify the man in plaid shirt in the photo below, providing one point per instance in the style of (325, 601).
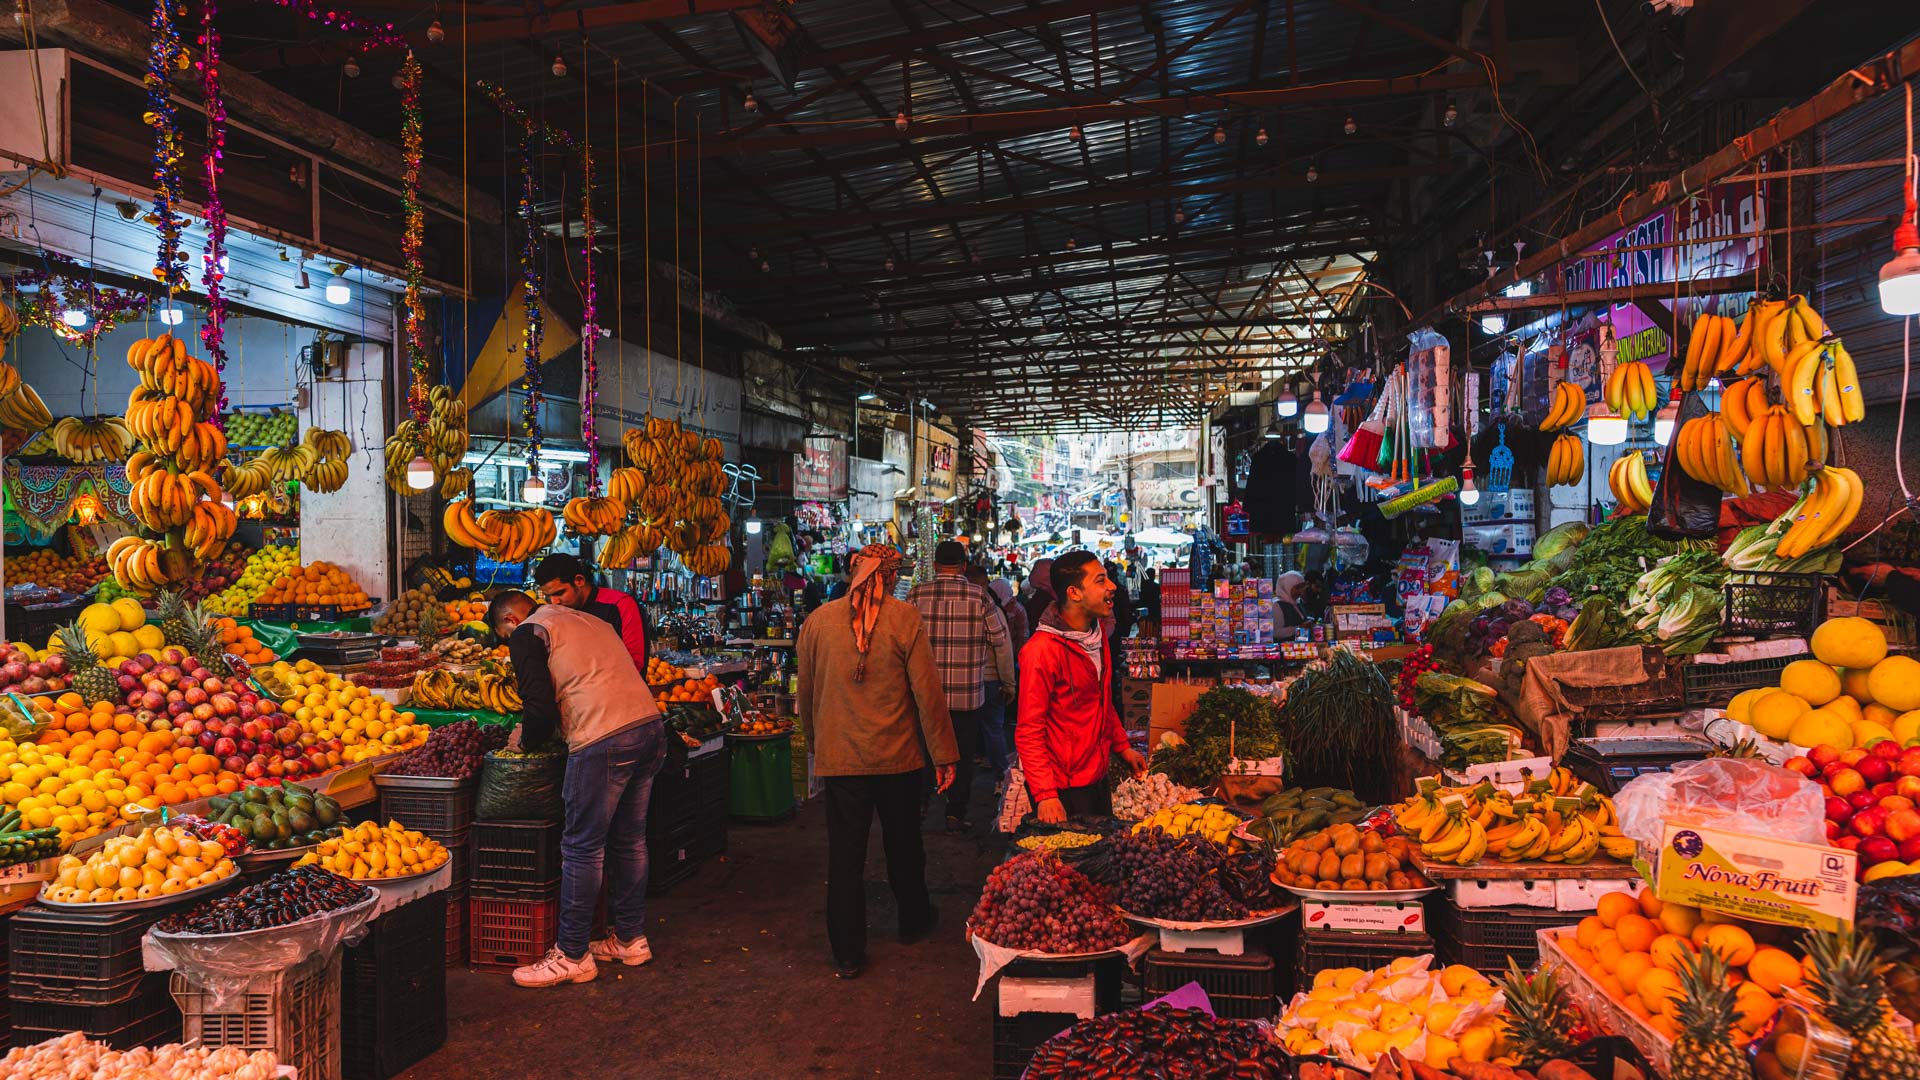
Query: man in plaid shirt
(967, 632)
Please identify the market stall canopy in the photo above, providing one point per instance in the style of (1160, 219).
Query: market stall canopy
(1159, 537)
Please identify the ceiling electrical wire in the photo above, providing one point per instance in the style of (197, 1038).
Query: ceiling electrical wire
(1652, 101)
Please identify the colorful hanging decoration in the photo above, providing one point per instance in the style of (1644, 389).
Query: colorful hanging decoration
(213, 332)
(373, 35)
(42, 299)
(410, 246)
(165, 56)
(589, 330)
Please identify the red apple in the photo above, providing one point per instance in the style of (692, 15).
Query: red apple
(56, 664)
(1860, 800)
(225, 705)
(1869, 822)
(225, 747)
(177, 708)
(1877, 849)
(234, 763)
(1882, 789)
(1895, 802)
(1802, 765)
(1908, 787)
(1834, 830)
(192, 726)
(212, 684)
(256, 770)
(1885, 748)
(1838, 809)
(1875, 768)
(194, 695)
(1850, 842)
(1853, 756)
(1910, 849)
(207, 740)
(1847, 781)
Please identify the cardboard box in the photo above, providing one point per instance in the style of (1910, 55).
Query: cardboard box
(1578, 895)
(1392, 917)
(1070, 996)
(1756, 877)
(1473, 893)
(1172, 704)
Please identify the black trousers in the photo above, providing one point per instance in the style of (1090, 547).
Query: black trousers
(852, 802)
(1089, 800)
(966, 732)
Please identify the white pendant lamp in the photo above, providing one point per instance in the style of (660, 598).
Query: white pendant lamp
(420, 473)
(1315, 420)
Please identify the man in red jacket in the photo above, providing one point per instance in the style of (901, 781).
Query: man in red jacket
(1068, 728)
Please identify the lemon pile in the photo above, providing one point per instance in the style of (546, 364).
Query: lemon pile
(371, 851)
(1852, 693)
(333, 708)
(1211, 822)
(156, 862)
(1360, 1015)
(263, 568)
(51, 791)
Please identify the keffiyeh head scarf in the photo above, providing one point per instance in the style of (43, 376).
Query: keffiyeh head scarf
(873, 567)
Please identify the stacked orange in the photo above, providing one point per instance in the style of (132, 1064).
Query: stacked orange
(692, 690)
(1632, 949)
(466, 611)
(659, 672)
(239, 641)
(318, 582)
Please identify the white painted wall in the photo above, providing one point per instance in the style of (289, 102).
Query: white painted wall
(263, 358)
(349, 527)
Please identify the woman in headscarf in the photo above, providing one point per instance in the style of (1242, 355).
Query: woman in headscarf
(1287, 609)
(1039, 591)
(1017, 633)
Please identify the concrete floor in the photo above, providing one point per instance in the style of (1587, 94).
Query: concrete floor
(741, 982)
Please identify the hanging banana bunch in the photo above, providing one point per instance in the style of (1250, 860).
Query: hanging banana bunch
(1567, 460)
(464, 529)
(88, 441)
(331, 450)
(457, 483)
(622, 548)
(171, 475)
(246, 478)
(520, 533)
(1632, 488)
(594, 515)
(1630, 390)
(1569, 406)
(1704, 447)
(1776, 451)
(625, 485)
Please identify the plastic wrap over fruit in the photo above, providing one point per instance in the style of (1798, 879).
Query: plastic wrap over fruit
(1740, 795)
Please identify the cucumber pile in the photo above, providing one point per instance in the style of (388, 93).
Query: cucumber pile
(19, 845)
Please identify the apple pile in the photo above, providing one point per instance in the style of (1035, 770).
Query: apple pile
(222, 716)
(1873, 803)
(20, 673)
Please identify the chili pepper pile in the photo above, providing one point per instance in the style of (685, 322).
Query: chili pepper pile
(288, 896)
(1159, 1042)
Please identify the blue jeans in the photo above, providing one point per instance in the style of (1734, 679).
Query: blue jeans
(608, 785)
(993, 731)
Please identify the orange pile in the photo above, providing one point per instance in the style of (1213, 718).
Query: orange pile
(239, 641)
(317, 583)
(466, 611)
(660, 673)
(693, 690)
(1632, 949)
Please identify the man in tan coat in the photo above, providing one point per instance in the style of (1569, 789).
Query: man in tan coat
(869, 695)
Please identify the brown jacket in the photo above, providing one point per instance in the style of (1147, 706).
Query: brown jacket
(871, 728)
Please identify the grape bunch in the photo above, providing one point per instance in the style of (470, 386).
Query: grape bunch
(1162, 1041)
(452, 751)
(1162, 876)
(1039, 903)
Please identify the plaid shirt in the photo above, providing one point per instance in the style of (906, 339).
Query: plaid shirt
(966, 629)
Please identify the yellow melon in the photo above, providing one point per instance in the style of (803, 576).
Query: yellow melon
(149, 636)
(99, 618)
(1907, 727)
(1849, 641)
(132, 615)
(1774, 713)
(1812, 681)
(1821, 728)
(1853, 681)
(1895, 683)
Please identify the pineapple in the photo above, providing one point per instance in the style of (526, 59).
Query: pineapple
(198, 635)
(1538, 1017)
(433, 624)
(172, 613)
(1706, 1015)
(1852, 989)
(93, 681)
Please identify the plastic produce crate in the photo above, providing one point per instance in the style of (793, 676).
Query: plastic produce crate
(673, 804)
(521, 857)
(1713, 685)
(1323, 949)
(671, 860)
(506, 934)
(1015, 1038)
(1609, 764)
(76, 957)
(393, 992)
(1486, 938)
(147, 1018)
(294, 1013)
(441, 813)
(1240, 987)
(456, 931)
(1772, 605)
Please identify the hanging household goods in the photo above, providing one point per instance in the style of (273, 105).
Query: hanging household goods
(1363, 446)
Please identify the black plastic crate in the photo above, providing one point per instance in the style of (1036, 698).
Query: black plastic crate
(1713, 685)
(1609, 764)
(60, 990)
(1323, 949)
(710, 832)
(456, 929)
(1486, 938)
(524, 854)
(1240, 987)
(77, 948)
(1772, 605)
(1015, 1038)
(148, 1017)
(393, 991)
(669, 866)
(441, 814)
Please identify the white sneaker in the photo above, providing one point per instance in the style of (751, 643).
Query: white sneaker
(555, 968)
(631, 953)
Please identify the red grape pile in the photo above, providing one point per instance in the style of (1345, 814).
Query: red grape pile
(1160, 1041)
(1170, 877)
(452, 751)
(1038, 902)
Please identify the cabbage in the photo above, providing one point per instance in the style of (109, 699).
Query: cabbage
(1559, 539)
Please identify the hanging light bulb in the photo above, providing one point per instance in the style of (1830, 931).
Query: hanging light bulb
(1900, 277)
(339, 289)
(559, 66)
(171, 315)
(1286, 404)
(74, 317)
(1219, 134)
(436, 33)
(1451, 116)
(1074, 133)
(420, 473)
(1273, 431)
(1260, 137)
(351, 69)
(1469, 494)
(1315, 419)
(1493, 324)
(1664, 421)
(751, 104)
(1313, 173)
(753, 526)
(900, 120)
(1351, 126)
(533, 491)
(1604, 426)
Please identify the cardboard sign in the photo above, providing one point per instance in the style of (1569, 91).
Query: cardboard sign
(1408, 917)
(1755, 877)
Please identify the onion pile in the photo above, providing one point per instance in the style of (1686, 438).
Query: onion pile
(74, 1054)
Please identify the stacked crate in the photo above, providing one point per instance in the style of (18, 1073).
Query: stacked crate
(709, 778)
(1038, 999)
(295, 1013)
(673, 812)
(393, 991)
(513, 892)
(82, 971)
(442, 809)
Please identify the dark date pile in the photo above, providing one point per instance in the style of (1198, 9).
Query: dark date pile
(1176, 877)
(1038, 902)
(287, 896)
(1159, 1042)
(453, 751)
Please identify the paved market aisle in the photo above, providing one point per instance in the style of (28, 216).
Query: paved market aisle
(741, 983)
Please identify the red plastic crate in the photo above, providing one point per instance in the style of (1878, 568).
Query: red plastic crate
(506, 934)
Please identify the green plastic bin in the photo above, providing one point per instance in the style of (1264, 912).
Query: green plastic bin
(761, 775)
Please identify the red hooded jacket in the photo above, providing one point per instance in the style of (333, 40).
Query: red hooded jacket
(1068, 729)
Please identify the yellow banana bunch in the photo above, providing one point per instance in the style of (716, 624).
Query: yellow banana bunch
(1820, 381)
(160, 422)
(1567, 461)
(88, 441)
(497, 692)
(144, 566)
(1741, 401)
(625, 484)
(433, 689)
(327, 443)
(201, 447)
(594, 515)
(1825, 513)
(326, 476)
(330, 450)
(247, 478)
(1775, 451)
(212, 523)
(1627, 478)
(167, 371)
(621, 548)
(1714, 338)
(1704, 447)
(164, 499)
(518, 533)
(466, 530)
(1630, 390)
(710, 560)
(1569, 405)
(286, 464)
(457, 483)
(9, 375)
(9, 323)
(22, 409)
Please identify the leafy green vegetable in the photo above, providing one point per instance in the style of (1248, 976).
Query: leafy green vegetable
(1227, 722)
(1474, 725)
(1339, 727)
